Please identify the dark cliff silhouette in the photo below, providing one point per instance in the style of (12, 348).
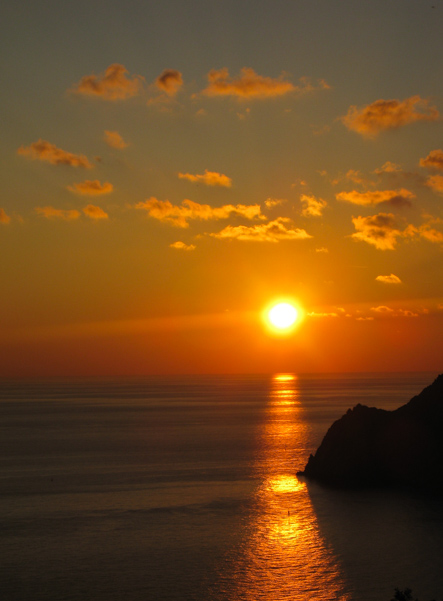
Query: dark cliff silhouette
(375, 447)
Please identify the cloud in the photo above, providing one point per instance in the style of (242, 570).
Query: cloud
(45, 151)
(388, 167)
(434, 160)
(356, 177)
(114, 140)
(113, 84)
(4, 218)
(313, 207)
(389, 114)
(51, 213)
(95, 212)
(430, 234)
(165, 211)
(209, 178)
(382, 309)
(435, 182)
(394, 197)
(321, 249)
(273, 231)
(170, 81)
(388, 279)
(407, 313)
(274, 202)
(379, 230)
(182, 246)
(91, 188)
(248, 85)
(314, 314)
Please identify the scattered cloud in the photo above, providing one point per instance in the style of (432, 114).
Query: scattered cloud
(209, 178)
(435, 182)
(364, 319)
(314, 314)
(182, 246)
(379, 230)
(312, 207)
(165, 211)
(4, 218)
(52, 213)
(91, 188)
(389, 114)
(45, 151)
(407, 313)
(169, 82)
(113, 84)
(322, 249)
(320, 130)
(244, 115)
(394, 197)
(274, 202)
(114, 140)
(430, 234)
(95, 212)
(248, 85)
(273, 231)
(388, 279)
(356, 177)
(388, 167)
(434, 160)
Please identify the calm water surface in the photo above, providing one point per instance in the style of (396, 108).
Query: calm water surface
(185, 489)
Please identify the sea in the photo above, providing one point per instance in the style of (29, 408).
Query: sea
(185, 489)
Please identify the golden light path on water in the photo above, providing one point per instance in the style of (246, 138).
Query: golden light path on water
(284, 557)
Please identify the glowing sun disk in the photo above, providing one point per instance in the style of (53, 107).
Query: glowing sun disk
(283, 315)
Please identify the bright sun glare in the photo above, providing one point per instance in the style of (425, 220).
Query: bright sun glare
(283, 316)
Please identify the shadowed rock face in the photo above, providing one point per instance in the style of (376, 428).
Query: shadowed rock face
(374, 447)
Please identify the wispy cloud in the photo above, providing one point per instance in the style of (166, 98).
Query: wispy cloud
(435, 182)
(45, 151)
(273, 231)
(274, 202)
(388, 279)
(379, 230)
(434, 160)
(430, 234)
(312, 206)
(114, 140)
(382, 309)
(394, 197)
(182, 246)
(209, 178)
(389, 114)
(164, 210)
(169, 82)
(52, 213)
(4, 218)
(251, 85)
(388, 167)
(113, 84)
(94, 212)
(356, 177)
(91, 188)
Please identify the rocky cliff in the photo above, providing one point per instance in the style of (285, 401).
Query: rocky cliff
(374, 447)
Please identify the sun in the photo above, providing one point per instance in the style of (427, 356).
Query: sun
(282, 316)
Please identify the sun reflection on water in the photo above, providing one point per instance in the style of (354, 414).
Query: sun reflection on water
(283, 555)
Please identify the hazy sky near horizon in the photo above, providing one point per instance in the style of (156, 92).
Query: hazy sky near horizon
(169, 169)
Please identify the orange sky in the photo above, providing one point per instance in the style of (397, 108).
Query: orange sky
(170, 176)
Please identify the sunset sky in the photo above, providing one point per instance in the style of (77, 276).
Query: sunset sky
(171, 169)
